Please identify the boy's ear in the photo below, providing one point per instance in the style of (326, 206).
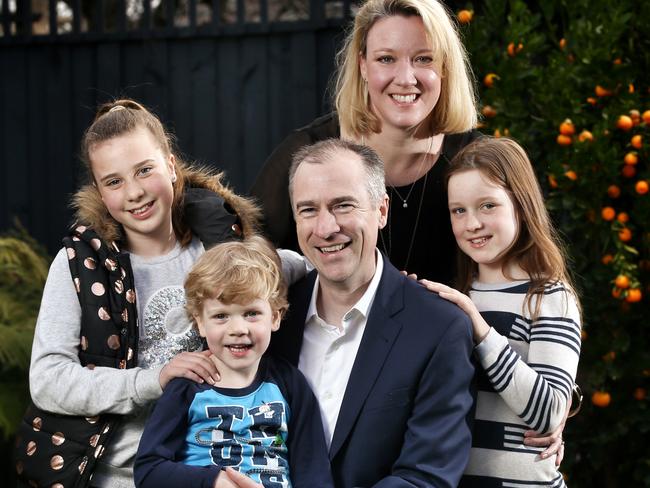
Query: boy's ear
(199, 325)
(277, 318)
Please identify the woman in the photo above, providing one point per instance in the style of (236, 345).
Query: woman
(403, 88)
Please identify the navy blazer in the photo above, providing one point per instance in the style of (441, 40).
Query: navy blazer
(405, 419)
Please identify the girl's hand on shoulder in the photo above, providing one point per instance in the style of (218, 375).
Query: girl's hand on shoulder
(479, 326)
(451, 294)
(195, 366)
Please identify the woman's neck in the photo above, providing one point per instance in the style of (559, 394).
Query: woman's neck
(406, 157)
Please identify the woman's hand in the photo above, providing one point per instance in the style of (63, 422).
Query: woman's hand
(195, 366)
(479, 325)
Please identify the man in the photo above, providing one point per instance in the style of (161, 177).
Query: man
(388, 361)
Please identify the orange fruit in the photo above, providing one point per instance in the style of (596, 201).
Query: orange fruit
(633, 295)
(646, 116)
(613, 191)
(552, 181)
(583, 335)
(623, 217)
(592, 101)
(564, 140)
(601, 399)
(637, 141)
(628, 171)
(602, 92)
(497, 133)
(489, 111)
(624, 122)
(608, 213)
(607, 258)
(562, 43)
(616, 292)
(625, 234)
(567, 128)
(609, 357)
(630, 88)
(617, 61)
(641, 187)
(585, 135)
(640, 393)
(572, 175)
(631, 158)
(622, 281)
(488, 81)
(635, 115)
(511, 50)
(465, 16)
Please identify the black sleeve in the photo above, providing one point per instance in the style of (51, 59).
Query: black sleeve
(271, 188)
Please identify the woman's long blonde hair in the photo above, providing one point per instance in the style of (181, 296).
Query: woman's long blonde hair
(456, 108)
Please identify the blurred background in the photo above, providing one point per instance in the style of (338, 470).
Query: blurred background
(570, 80)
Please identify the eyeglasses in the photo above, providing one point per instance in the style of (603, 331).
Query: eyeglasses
(576, 401)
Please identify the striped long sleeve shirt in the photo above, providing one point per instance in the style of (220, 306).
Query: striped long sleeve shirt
(528, 371)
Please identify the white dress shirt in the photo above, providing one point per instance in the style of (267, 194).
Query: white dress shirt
(328, 352)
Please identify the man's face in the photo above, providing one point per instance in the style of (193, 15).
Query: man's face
(336, 221)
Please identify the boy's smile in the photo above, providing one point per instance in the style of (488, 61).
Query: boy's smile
(238, 335)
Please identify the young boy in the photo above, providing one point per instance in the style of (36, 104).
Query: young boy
(261, 419)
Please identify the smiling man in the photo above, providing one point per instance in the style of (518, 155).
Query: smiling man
(389, 362)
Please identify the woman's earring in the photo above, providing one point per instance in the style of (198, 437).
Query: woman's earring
(174, 178)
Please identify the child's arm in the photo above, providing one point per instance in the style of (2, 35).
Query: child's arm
(55, 366)
(480, 327)
(157, 463)
(294, 266)
(538, 389)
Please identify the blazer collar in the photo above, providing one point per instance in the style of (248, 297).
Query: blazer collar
(378, 338)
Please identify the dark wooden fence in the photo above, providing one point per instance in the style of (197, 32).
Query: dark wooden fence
(229, 89)
(229, 77)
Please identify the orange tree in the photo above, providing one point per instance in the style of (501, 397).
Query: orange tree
(569, 80)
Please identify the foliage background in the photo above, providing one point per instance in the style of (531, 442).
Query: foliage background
(549, 58)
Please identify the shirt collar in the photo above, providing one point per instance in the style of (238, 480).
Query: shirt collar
(365, 302)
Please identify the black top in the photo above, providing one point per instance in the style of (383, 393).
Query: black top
(431, 242)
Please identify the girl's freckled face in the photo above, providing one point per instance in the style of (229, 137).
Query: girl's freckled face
(134, 179)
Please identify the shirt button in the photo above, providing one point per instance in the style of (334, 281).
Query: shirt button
(327, 395)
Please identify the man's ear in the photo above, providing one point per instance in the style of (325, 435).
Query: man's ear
(383, 210)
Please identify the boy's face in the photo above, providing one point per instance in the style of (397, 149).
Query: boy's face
(237, 335)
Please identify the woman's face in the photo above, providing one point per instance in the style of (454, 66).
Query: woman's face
(403, 77)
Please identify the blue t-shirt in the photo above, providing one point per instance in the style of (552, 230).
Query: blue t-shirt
(271, 431)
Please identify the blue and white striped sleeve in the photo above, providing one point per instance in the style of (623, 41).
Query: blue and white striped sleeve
(537, 387)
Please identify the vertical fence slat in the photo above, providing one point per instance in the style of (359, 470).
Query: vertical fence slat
(25, 24)
(53, 17)
(216, 13)
(6, 22)
(241, 12)
(121, 15)
(99, 16)
(169, 13)
(192, 13)
(76, 16)
(146, 16)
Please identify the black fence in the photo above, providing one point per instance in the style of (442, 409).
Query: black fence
(230, 79)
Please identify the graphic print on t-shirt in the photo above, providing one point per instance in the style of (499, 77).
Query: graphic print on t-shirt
(244, 433)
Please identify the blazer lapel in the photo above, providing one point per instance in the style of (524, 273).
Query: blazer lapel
(287, 341)
(378, 338)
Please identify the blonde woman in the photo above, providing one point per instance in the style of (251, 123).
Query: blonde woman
(404, 88)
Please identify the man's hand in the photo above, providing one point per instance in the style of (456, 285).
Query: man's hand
(553, 442)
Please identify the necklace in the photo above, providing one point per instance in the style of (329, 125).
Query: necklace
(388, 249)
(418, 174)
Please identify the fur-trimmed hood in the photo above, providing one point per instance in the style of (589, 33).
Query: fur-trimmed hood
(91, 211)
